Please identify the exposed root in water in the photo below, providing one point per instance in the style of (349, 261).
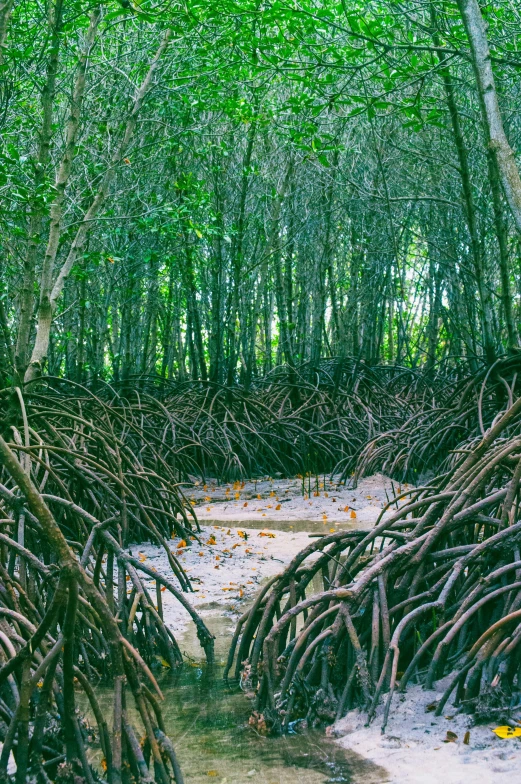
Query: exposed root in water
(78, 482)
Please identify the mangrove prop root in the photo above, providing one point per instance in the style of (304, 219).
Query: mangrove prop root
(433, 590)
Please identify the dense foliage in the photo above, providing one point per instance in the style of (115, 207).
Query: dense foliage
(210, 190)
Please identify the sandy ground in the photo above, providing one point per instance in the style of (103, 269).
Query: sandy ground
(243, 545)
(226, 569)
(251, 531)
(414, 748)
(283, 501)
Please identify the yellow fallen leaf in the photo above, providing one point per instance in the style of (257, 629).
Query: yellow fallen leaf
(353, 514)
(507, 732)
(331, 530)
(346, 509)
(212, 773)
(277, 507)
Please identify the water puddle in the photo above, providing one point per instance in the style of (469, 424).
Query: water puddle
(294, 526)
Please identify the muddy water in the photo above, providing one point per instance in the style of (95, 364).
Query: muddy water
(296, 526)
(208, 722)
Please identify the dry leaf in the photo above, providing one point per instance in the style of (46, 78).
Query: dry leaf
(507, 732)
(451, 737)
(466, 739)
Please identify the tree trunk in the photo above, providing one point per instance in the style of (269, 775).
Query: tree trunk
(508, 171)
(36, 208)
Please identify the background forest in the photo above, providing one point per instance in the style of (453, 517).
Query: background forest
(210, 190)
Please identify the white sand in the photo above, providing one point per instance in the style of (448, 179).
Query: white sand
(271, 501)
(225, 570)
(413, 750)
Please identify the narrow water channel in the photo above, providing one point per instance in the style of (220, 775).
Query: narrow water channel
(209, 725)
(208, 722)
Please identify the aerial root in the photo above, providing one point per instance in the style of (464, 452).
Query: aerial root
(432, 591)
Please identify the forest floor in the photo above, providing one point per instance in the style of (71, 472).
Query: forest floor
(250, 532)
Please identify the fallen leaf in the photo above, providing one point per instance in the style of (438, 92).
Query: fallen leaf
(277, 507)
(451, 737)
(507, 732)
(353, 515)
(466, 739)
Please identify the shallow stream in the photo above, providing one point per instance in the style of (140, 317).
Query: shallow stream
(208, 723)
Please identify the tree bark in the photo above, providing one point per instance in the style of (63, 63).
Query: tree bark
(36, 208)
(508, 171)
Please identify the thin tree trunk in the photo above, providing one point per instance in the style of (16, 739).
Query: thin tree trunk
(36, 209)
(508, 171)
(470, 211)
(5, 12)
(51, 292)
